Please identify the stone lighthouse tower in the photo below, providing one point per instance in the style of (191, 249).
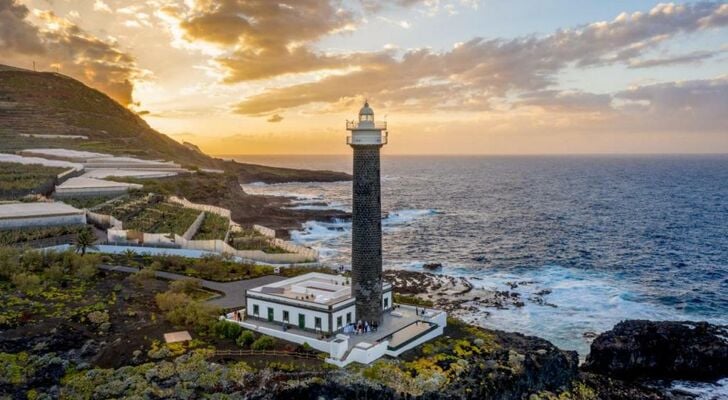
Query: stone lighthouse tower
(367, 137)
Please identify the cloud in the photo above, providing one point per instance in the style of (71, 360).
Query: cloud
(689, 58)
(474, 73)
(689, 105)
(262, 38)
(567, 101)
(62, 44)
(99, 5)
(16, 35)
(275, 118)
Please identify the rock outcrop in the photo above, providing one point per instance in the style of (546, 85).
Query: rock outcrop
(661, 350)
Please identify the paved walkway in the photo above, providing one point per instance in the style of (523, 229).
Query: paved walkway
(233, 293)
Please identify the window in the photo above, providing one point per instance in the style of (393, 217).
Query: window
(348, 318)
(256, 311)
(285, 316)
(302, 321)
(386, 302)
(317, 323)
(270, 314)
(339, 322)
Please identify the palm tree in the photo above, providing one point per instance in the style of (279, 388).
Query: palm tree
(85, 239)
(129, 254)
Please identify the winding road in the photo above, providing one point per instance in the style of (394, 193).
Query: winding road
(233, 293)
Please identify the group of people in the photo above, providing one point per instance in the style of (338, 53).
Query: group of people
(361, 327)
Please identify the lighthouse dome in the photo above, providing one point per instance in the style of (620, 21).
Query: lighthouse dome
(366, 110)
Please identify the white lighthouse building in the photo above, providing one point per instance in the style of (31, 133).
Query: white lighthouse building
(352, 319)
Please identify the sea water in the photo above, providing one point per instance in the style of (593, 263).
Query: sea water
(611, 237)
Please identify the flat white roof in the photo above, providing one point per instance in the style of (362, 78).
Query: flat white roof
(14, 158)
(66, 153)
(314, 287)
(26, 210)
(88, 183)
(101, 173)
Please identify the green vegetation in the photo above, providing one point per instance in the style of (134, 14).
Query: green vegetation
(227, 330)
(17, 180)
(85, 239)
(162, 218)
(413, 300)
(263, 343)
(250, 239)
(216, 268)
(436, 363)
(37, 285)
(84, 202)
(189, 374)
(192, 187)
(182, 310)
(213, 227)
(578, 391)
(22, 236)
(245, 339)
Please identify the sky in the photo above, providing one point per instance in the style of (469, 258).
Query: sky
(449, 76)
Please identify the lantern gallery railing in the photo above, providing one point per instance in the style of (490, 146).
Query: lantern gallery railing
(368, 139)
(379, 125)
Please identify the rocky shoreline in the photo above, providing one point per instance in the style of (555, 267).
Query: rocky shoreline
(459, 296)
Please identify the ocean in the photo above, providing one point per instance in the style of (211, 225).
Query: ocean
(611, 237)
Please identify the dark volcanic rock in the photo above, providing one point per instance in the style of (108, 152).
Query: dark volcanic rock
(432, 266)
(663, 350)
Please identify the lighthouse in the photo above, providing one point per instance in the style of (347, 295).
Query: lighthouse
(367, 138)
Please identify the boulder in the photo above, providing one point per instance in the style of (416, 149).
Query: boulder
(662, 350)
(432, 266)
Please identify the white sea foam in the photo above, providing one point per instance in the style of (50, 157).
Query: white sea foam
(579, 301)
(702, 390)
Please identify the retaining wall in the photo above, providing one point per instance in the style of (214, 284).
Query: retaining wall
(190, 232)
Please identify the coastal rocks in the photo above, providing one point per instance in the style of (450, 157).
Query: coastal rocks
(432, 266)
(662, 350)
(524, 365)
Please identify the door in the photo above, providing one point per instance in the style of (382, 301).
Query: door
(301, 321)
(270, 314)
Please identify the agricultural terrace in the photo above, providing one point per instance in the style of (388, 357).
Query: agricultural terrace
(213, 267)
(17, 180)
(19, 237)
(162, 218)
(213, 227)
(85, 202)
(250, 239)
(148, 213)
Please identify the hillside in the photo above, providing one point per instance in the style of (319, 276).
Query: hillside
(46, 103)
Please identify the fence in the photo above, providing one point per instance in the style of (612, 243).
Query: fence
(223, 212)
(273, 353)
(219, 246)
(103, 220)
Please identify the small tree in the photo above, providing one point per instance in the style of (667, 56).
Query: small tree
(245, 339)
(84, 239)
(263, 343)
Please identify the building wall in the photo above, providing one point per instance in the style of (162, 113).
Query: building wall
(90, 192)
(366, 257)
(294, 311)
(73, 219)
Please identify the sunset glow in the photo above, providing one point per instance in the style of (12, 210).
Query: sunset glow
(450, 76)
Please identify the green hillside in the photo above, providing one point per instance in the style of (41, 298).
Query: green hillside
(46, 103)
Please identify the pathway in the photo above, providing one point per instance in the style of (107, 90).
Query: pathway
(233, 293)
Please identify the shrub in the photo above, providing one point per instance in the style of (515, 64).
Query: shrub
(186, 286)
(227, 330)
(98, 317)
(245, 339)
(26, 282)
(263, 343)
(143, 275)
